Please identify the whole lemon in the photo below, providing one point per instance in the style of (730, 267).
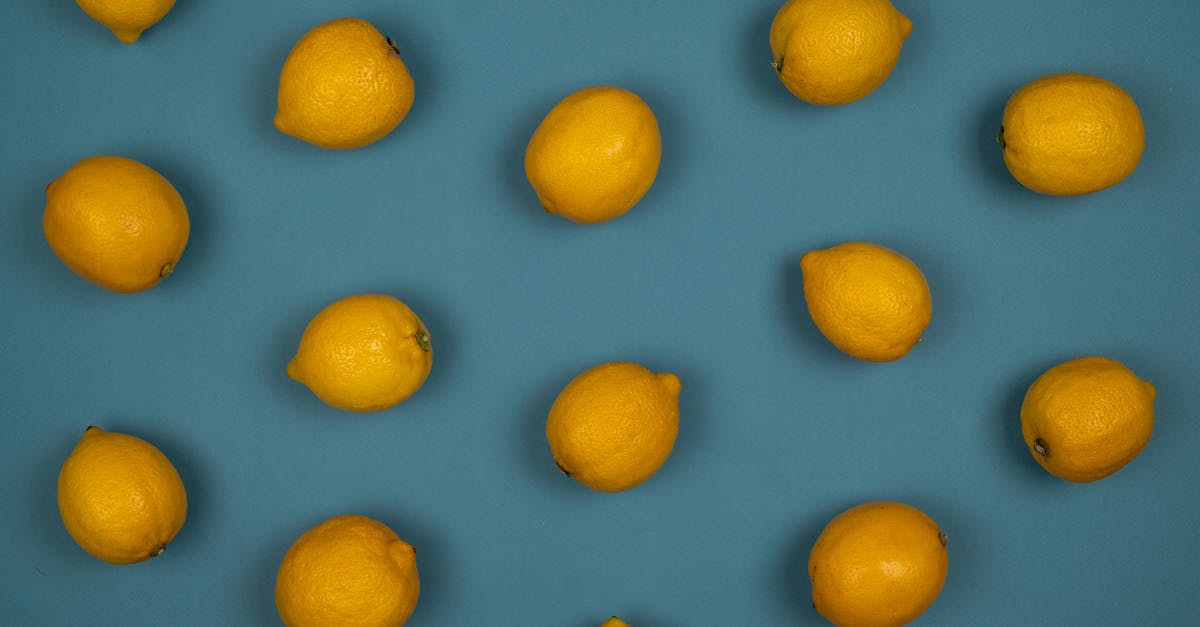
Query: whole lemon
(120, 498)
(614, 425)
(615, 622)
(1084, 419)
(348, 570)
(363, 353)
(870, 301)
(1070, 134)
(594, 155)
(878, 564)
(126, 18)
(116, 223)
(832, 52)
(343, 86)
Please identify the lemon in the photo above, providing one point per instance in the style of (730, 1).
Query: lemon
(614, 425)
(343, 86)
(116, 222)
(871, 302)
(594, 155)
(126, 18)
(348, 570)
(832, 52)
(120, 498)
(1087, 418)
(615, 622)
(878, 564)
(363, 353)
(1070, 134)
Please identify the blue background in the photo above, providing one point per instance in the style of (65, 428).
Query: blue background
(779, 430)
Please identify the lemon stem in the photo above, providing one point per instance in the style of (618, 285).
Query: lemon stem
(158, 549)
(561, 469)
(392, 44)
(943, 538)
(1039, 447)
(1000, 139)
(422, 340)
(166, 269)
(778, 64)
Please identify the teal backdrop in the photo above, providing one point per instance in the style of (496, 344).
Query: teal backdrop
(779, 431)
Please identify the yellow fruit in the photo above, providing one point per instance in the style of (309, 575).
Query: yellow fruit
(348, 570)
(615, 622)
(1086, 418)
(1070, 134)
(879, 564)
(343, 86)
(120, 498)
(614, 425)
(363, 353)
(869, 301)
(831, 52)
(116, 223)
(594, 155)
(126, 18)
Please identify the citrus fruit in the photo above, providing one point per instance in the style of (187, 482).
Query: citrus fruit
(343, 86)
(1084, 419)
(120, 498)
(348, 570)
(878, 564)
(871, 302)
(126, 18)
(615, 622)
(1069, 134)
(614, 425)
(594, 155)
(363, 353)
(116, 223)
(832, 52)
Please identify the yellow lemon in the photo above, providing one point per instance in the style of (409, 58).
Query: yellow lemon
(120, 498)
(878, 564)
(870, 301)
(831, 52)
(1086, 418)
(116, 223)
(363, 353)
(614, 425)
(126, 18)
(1070, 134)
(348, 570)
(615, 622)
(343, 86)
(594, 155)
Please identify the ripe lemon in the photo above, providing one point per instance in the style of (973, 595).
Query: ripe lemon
(343, 86)
(615, 622)
(120, 498)
(1070, 134)
(594, 155)
(126, 18)
(878, 564)
(614, 425)
(348, 570)
(116, 223)
(1086, 418)
(831, 52)
(363, 353)
(870, 301)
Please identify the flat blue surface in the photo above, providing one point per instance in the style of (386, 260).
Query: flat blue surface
(779, 430)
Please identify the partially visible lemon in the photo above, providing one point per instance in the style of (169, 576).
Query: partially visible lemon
(878, 564)
(348, 570)
(594, 155)
(615, 622)
(343, 86)
(831, 52)
(614, 425)
(1086, 418)
(363, 353)
(120, 498)
(116, 222)
(870, 301)
(1070, 134)
(126, 18)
